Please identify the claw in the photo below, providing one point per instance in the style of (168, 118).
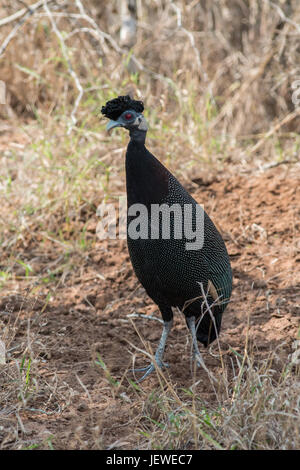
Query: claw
(149, 369)
(159, 353)
(198, 358)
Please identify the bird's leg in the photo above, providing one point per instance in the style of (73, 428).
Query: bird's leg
(159, 352)
(197, 355)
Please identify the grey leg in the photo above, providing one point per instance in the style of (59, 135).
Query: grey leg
(197, 355)
(159, 352)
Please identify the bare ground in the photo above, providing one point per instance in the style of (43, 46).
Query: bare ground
(70, 400)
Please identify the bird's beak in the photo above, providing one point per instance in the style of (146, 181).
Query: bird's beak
(111, 124)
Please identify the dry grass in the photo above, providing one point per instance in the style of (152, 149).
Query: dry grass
(255, 410)
(217, 82)
(255, 403)
(228, 73)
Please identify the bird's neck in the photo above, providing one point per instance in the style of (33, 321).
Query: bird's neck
(146, 178)
(137, 136)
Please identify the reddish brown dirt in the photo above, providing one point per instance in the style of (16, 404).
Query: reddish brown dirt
(258, 214)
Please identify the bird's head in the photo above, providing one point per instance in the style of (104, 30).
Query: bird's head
(125, 112)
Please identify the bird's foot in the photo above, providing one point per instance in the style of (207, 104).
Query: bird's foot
(199, 360)
(149, 369)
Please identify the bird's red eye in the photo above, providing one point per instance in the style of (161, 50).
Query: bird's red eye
(128, 116)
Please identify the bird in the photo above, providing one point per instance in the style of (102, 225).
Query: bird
(175, 271)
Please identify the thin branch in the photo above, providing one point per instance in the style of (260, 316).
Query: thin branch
(9, 37)
(255, 74)
(146, 317)
(274, 129)
(119, 49)
(15, 16)
(25, 12)
(103, 36)
(70, 68)
(282, 15)
(192, 40)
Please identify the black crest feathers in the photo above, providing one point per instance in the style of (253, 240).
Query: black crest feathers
(114, 108)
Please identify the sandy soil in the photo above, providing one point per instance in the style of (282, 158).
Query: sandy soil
(259, 216)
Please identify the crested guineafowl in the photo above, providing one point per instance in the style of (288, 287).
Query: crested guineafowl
(175, 271)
